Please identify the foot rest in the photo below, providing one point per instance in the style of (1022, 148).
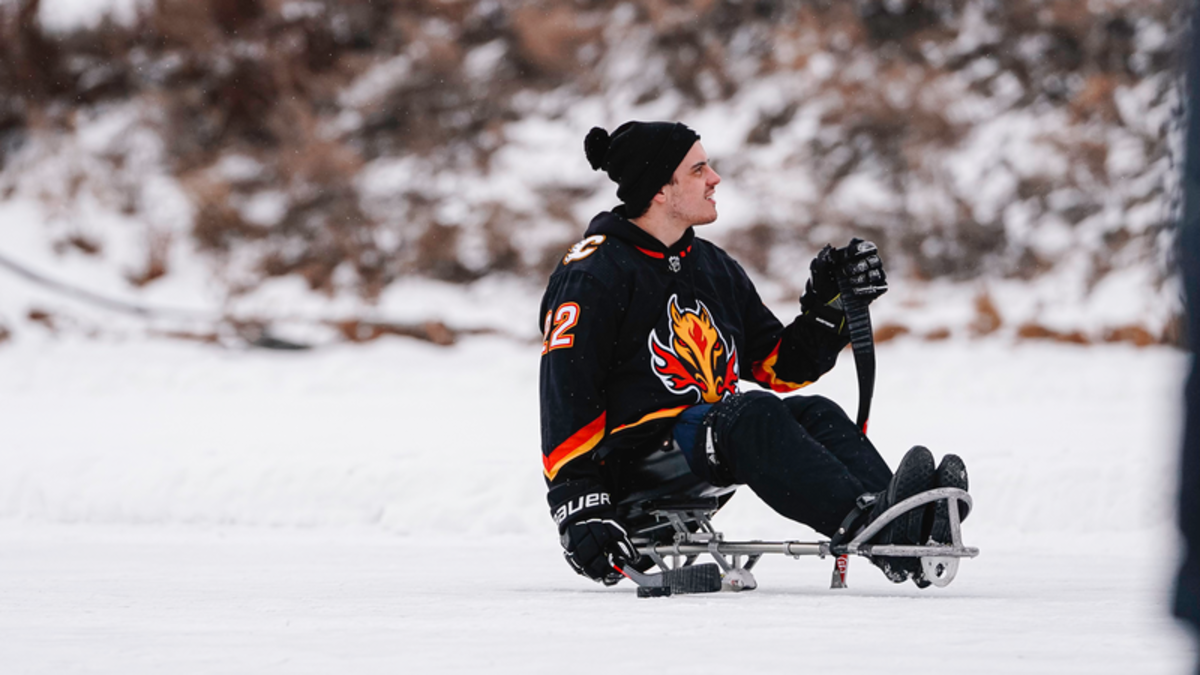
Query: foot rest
(951, 495)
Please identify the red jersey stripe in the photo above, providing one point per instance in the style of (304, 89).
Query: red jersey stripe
(578, 444)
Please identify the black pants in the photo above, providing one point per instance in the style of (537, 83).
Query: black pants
(801, 455)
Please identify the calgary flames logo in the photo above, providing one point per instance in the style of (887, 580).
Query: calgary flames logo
(696, 358)
(583, 249)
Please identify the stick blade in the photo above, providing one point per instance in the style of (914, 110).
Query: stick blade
(704, 578)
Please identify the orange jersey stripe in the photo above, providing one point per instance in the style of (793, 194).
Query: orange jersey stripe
(656, 415)
(578, 444)
(764, 371)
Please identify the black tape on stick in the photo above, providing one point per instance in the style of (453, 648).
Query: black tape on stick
(862, 341)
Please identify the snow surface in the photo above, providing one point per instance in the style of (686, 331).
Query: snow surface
(170, 507)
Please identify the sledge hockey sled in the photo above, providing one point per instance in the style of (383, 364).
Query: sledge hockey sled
(671, 525)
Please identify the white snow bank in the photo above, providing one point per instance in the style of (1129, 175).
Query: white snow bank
(424, 440)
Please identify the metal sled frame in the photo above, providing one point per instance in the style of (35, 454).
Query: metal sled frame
(694, 536)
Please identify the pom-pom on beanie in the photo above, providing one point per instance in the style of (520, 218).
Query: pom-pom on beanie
(640, 157)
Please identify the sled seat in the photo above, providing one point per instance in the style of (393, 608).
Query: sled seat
(660, 488)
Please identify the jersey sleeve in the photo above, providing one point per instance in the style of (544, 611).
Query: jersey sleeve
(580, 319)
(786, 358)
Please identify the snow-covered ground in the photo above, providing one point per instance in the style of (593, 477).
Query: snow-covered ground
(170, 507)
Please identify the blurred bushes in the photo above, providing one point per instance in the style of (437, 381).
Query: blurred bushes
(308, 93)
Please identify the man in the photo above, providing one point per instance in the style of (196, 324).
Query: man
(648, 331)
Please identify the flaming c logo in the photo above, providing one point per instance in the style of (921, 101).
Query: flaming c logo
(583, 249)
(696, 358)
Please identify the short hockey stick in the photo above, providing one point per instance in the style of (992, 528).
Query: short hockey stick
(862, 341)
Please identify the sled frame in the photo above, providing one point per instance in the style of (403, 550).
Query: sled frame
(694, 536)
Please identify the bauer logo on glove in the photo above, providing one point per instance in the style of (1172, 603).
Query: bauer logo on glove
(579, 504)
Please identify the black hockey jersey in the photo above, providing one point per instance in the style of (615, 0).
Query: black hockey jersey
(635, 332)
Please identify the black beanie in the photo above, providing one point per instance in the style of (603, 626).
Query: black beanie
(640, 157)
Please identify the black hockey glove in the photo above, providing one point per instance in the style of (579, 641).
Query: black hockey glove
(822, 286)
(860, 264)
(592, 538)
(863, 268)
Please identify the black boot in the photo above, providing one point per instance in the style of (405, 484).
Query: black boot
(952, 473)
(914, 475)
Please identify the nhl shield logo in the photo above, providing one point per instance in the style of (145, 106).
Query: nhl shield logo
(674, 263)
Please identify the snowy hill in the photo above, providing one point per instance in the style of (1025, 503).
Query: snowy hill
(316, 166)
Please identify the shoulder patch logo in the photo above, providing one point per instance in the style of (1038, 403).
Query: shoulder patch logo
(583, 249)
(695, 358)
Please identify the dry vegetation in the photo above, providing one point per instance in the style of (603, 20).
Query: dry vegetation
(274, 81)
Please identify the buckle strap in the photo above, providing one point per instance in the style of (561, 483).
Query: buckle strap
(856, 519)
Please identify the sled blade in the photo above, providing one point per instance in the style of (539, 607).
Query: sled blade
(840, 565)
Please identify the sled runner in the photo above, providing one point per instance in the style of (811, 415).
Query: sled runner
(673, 529)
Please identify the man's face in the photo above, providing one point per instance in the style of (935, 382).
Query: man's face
(690, 194)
